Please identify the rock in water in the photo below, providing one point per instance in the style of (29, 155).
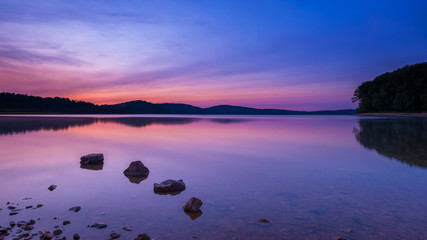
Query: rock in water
(169, 186)
(192, 205)
(75, 209)
(76, 236)
(99, 225)
(51, 187)
(136, 172)
(93, 158)
(136, 169)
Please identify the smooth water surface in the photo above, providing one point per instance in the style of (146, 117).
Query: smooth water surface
(311, 177)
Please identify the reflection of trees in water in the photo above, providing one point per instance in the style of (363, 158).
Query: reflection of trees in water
(402, 139)
(12, 125)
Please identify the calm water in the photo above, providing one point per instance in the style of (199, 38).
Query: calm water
(312, 177)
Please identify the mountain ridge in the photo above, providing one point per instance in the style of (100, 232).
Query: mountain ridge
(22, 103)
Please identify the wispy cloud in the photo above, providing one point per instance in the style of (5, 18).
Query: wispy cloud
(32, 56)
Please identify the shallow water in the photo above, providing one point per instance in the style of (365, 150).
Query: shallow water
(312, 177)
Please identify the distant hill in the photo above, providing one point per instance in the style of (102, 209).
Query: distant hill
(178, 108)
(137, 107)
(404, 90)
(20, 103)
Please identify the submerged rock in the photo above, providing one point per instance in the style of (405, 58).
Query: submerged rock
(76, 236)
(66, 223)
(263, 220)
(46, 235)
(99, 225)
(169, 186)
(75, 209)
(93, 158)
(114, 235)
(143, 236)
(128, 228)
(192, 205)
(57, 232)
(52, 187)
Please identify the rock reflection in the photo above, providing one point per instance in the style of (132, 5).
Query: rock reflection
(194, 215)
(403, 139)
(168, 193)
(95, 167)
(136, 180)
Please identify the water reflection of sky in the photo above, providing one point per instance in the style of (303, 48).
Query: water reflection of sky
(309, 176)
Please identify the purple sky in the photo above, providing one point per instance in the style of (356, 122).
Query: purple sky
(304, 55)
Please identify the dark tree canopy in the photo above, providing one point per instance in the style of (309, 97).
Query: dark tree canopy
(404, 90)
(25, 103)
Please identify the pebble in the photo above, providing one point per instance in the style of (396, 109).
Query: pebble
(46, 235)
(263, 220)
(114, 235)
(75, 208)
(128, 228)
(143, 236)
(57, 232)
(99, 225)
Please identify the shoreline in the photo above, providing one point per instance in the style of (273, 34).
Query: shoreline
(398, 114)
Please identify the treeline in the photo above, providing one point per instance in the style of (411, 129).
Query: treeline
(404, 90)
(11, 102)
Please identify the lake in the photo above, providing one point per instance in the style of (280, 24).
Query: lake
(311, 177)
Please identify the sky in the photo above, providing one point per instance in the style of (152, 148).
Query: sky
(298, 55)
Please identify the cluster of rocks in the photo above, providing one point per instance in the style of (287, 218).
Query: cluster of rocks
(136, 172)
(15, 208)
